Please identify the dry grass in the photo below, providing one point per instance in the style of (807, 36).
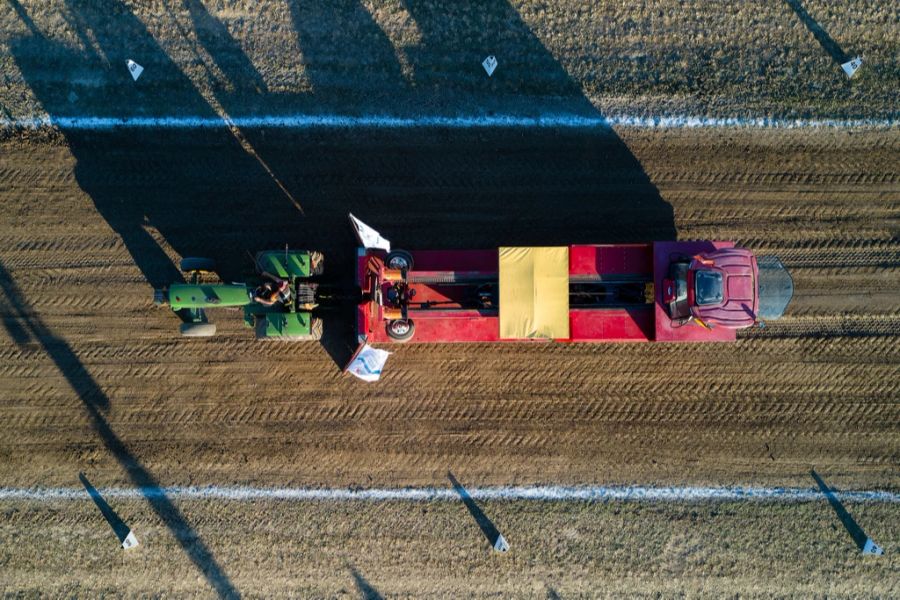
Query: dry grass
(283, 549)
(416, 56)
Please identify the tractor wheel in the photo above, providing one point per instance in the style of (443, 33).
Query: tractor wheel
(399, 259)
(198, 329)
(316, 263)
(316, 329)
(401, 330)
(193, 263)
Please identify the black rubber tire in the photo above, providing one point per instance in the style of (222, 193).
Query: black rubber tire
(400, 258)
(198, 329)
(196, 263)
(406, 325)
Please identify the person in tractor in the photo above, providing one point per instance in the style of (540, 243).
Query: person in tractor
(275, 290)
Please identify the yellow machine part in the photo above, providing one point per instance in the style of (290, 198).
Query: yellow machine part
(534, 293)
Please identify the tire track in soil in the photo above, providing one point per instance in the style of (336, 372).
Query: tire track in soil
(818, 386)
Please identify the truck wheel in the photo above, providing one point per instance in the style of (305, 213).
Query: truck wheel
(399, 259)
(401, 330)
(194, 263)
(198, 329)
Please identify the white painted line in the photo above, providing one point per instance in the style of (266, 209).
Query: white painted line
(540, 493)
(334, 121)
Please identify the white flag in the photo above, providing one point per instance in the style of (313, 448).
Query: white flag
(489, 64)
(368, 363)
(500, 545)
(134, 68)
(368, 237)
(851, 67)
(130, 541)
(872, 548)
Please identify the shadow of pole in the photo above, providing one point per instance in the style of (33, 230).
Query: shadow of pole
(862, 541)
(26, 20)
(494, 538)
(366, 591)
(118, 525)
(830, 46)
(217, 41)
(93, 398)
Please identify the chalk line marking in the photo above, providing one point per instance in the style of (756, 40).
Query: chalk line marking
(540, 493)
(335, 121)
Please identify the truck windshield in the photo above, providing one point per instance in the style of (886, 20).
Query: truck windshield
(708, 287)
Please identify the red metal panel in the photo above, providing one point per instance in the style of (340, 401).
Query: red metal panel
(364, 311)
(456, 260)
(662, 251)
(611, 325)
(619, 259)
(467, 326)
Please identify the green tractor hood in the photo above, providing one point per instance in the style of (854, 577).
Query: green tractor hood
(187, 295)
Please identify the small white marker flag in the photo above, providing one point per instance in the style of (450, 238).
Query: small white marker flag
(872, 548)
(130, 541)
(489, 64)
(134, 68)
(368, 363)
(851, 67)
(368, 237)
(500, 545)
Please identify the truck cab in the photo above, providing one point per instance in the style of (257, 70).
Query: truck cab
(721, 288)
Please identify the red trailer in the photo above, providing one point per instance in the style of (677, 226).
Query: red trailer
(660, 291)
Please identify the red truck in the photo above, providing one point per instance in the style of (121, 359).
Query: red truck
(659, 291)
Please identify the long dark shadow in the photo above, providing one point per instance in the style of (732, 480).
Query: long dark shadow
(366, 591)
(487, 526)
(225, 51)
(180, 184)
(827, 42)
(860, 538)
(337, 38)
(118, 525)
(95, 400)
(424, 188)
(20, 12)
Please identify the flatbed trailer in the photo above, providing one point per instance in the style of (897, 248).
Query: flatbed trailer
(580, 293)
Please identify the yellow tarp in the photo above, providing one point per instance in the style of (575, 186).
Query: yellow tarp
(534, 293)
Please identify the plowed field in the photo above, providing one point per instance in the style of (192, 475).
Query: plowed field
(95, 377)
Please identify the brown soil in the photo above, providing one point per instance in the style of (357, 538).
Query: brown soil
(96, 378)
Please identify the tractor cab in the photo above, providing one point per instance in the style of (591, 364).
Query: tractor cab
(725, 288)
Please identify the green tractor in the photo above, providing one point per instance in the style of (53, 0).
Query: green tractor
(290, 317)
